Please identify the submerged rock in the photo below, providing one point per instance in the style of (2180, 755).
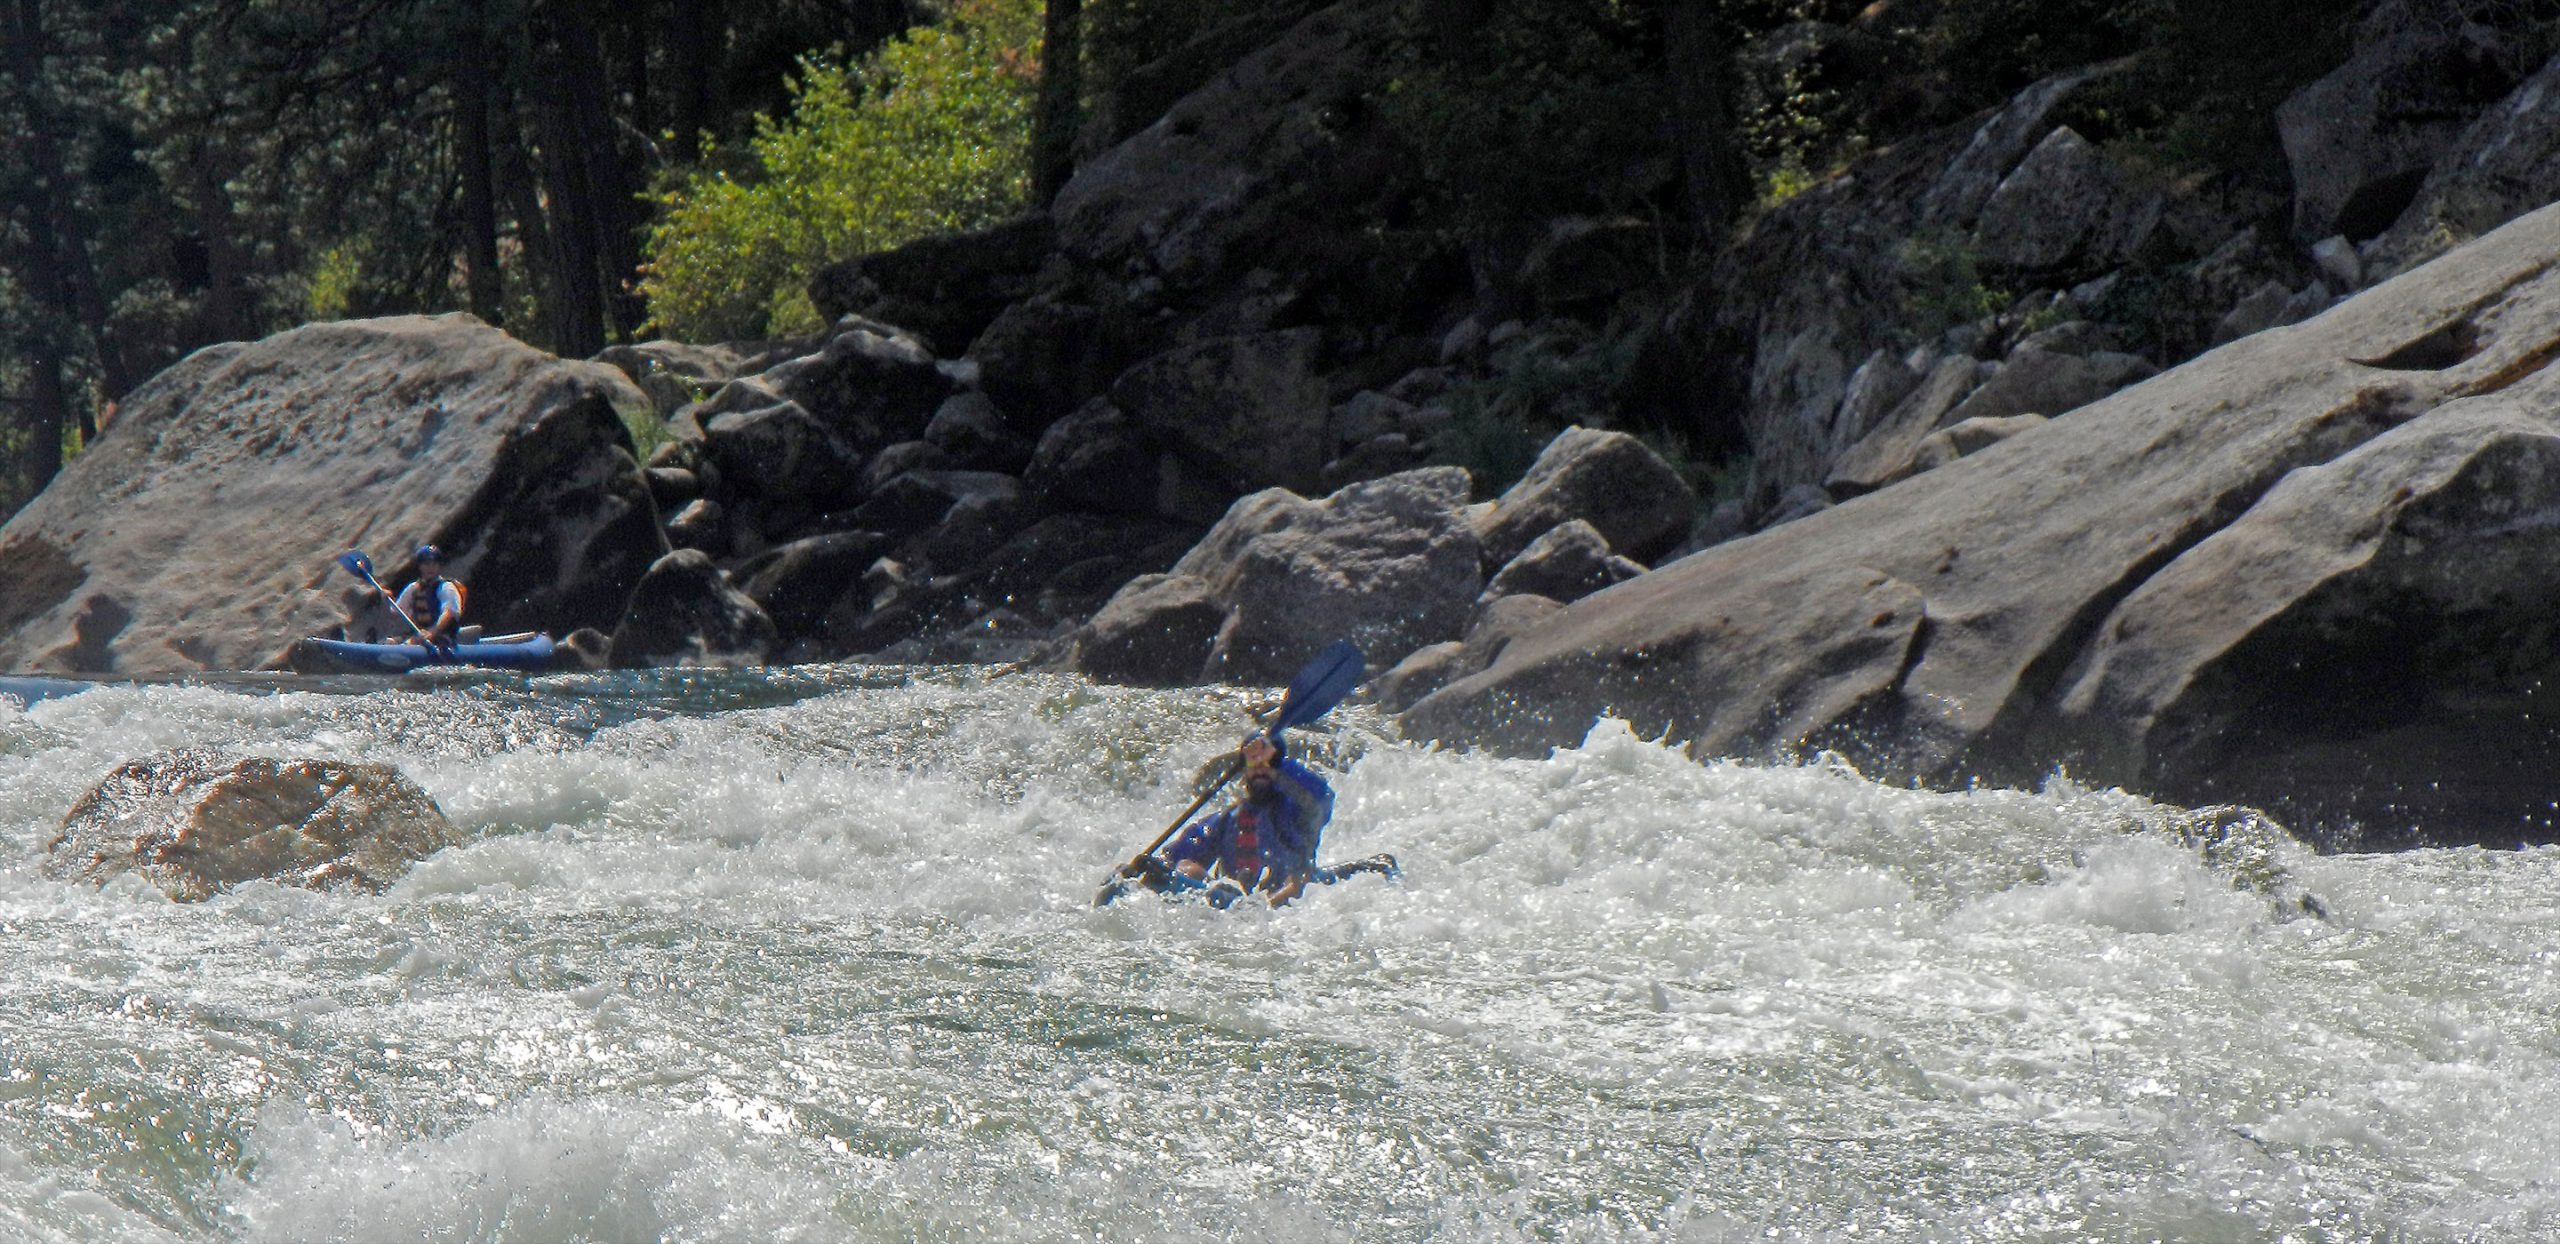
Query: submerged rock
(197, 822)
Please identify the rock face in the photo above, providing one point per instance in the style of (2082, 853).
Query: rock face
(1391, 564)
(2505, 164)
(2256, 577)
(685, 613)
(199, 531)
(2361, 140)
(194, 823)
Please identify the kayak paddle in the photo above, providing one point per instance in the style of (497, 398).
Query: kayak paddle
(361, 566)
(1313, 693)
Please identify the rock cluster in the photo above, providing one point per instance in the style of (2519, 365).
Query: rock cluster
(2314, 570)
(194, 823)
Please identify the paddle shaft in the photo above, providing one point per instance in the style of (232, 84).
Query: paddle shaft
(364, 566)
(1233, 768)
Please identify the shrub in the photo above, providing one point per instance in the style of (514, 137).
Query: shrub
(929, 135)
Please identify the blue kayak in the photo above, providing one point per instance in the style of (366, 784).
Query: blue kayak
(1223, 893)
(514, 652)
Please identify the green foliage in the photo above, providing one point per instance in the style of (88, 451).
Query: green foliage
(930, 135)
(1942, 284)
(330, 288)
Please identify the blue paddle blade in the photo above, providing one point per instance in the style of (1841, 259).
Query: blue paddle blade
(1321, 685)
(357, 564)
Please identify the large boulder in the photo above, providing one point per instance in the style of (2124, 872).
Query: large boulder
(948, 287)
(1042, 358)
(2361, 140)
(1613, 481)
(1095, 459)
(1571, 561)
(198, 532)
(782, 456)
(2066, 206)
(197, 822)
(1251, 410)
(1941, 629)
(1390, 564)
(684, 612)
(2505, 164)
(871, 385)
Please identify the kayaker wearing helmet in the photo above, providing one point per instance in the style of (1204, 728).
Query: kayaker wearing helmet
(1267, 841)
(432, 601)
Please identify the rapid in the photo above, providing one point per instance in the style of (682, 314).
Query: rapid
(812, 955)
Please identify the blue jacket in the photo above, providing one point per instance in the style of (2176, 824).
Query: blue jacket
(1263, 843)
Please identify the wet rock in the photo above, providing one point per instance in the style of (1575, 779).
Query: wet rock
(685, 613)
(159, 550)
(701, 524)
(670, 486)
(782, 453)
(918, 500)
(1427, 669)
(897, 460)
(1157, 631)
(194, 823)
(1571, 561)
(1636, 501)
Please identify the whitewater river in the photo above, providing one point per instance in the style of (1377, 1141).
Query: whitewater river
(814, 957)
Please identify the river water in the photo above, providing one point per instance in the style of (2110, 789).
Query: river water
(812, 956)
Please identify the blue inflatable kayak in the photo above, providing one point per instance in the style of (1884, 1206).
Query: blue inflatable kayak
(513, 652)
(1222, 893)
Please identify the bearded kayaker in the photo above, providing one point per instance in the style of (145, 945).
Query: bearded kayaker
(1266, 842)
(432, 601)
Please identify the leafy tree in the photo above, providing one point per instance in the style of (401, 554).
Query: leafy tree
(930, 135)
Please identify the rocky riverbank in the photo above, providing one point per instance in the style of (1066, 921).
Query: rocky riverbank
(1994, 453)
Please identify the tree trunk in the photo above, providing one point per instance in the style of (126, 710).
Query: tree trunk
(55, 262)
(696, 42)
(1053, 127)
(1698, 63)
(227, 313)
(472, 150)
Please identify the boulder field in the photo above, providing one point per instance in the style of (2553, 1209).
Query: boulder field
(2316, 570)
